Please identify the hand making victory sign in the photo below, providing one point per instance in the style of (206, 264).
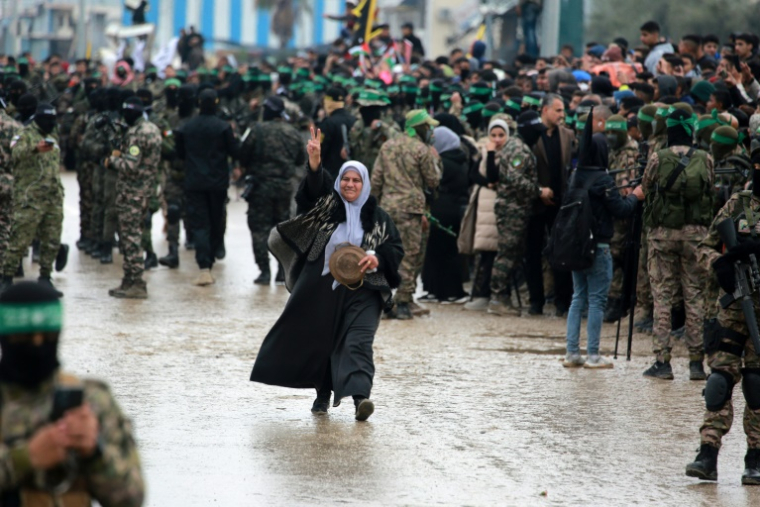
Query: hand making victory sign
(314, 149)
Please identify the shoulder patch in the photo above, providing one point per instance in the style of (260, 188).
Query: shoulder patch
(517, 161)
(134, 151)
(743, 226)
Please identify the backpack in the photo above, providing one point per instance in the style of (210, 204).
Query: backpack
(572, 242)
(682, 192)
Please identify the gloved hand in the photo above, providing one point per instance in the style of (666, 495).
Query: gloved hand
(725, 273)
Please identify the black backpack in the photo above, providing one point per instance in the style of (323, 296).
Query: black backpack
(572, 242)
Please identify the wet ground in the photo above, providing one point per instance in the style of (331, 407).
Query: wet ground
(471, 409)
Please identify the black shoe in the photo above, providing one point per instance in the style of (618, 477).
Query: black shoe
(364, 408)
(106, 254)
(320, 405)
(614, 311)
(751, 475)
(36, 251)
(19, 270)
(705, 466)
(535, 310)
(62, 257)
(189, 245)
(82, 243)
(264, 278)
(171, 260)
(403, 312)
(91, 243)
(47, 281)
(660, 370)
(5, 282)
(696, 371)
(97, 250)
(151, 261)
(220, 253)
(280, 278)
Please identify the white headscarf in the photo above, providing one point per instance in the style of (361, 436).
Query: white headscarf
(350, 231)
(445, 139)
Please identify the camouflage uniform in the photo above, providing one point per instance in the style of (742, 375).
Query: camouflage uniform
(516, 190)
(732, 337)
(137, 170)
(37, 200)
(270, 155)
(624, 158)
(112, 477)
(110, 176)
(155, 189)
(8, 130)
(366, 142)
(672, 265)
(85, 173)
(93, 150)
(404, 168)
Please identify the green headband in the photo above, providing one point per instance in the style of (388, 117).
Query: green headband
(373, 83)
(410, 89)
(645, 117)
(706, 122)
(393, 89)
(686, 123)
(580, 125)
(661, 111)
(418, 119)
(724, 139)
(569, 120)
(473, 108)
(173, 81)
(513, 105)
(476, 90)
(616, 125)
(487, 113)
(30, 317)
(435, 88)
(531, 101)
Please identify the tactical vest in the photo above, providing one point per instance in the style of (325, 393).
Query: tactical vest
(682, 193)
(37, 493)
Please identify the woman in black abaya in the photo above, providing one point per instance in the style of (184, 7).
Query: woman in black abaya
(323, 339)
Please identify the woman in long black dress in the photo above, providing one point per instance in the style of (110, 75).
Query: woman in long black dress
(323, 339)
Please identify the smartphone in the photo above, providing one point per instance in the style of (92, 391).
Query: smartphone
(65, 399)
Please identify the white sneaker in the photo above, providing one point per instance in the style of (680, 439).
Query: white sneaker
(204, 278)
(598, 362)
(573, 361)
(477, 305)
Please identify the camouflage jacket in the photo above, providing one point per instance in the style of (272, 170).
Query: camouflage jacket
(707, 251)
(518, 178)
(9, 128)
(112, 477)
(36, 175)
(404, 169)
(272, 150)
(625, 158)
(139, 161)
(95, 144)
(366, 142)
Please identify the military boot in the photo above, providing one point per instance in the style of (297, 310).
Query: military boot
(661, 370)
(171, 260)
(97, 249)
(264, 278)
(137, 289)
(45, 280)
(151, 261)
(751, 475)
(403, 312)
(123, 286)
(106, 254)
(321, 405)
(82, 243)
(89, 246)
(417, 310)
(705, 466)
(696, 370)
(5, 282)
(62, 257)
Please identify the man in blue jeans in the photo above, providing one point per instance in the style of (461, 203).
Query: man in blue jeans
(593, 284)
(528, 10)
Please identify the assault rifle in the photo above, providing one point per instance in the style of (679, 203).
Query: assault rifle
(633, 248)
(747, 281)
(116, 128)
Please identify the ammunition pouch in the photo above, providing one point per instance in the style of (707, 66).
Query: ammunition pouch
(733, 343)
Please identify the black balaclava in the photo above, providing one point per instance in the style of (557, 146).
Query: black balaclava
(15, 90)
(23, 68)
(146, 97)
(370, 114)
(207, 101)
(132, 110)
(98, 100)
(677, 134)
(45, 118)
(172, 97)
(274, 107)
(186, 100)
(26, 107)
(450, 121)
(113, 97)
(529, 127)
(22, 362)
(90, 84)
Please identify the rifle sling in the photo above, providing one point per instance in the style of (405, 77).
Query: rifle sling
(682, 163)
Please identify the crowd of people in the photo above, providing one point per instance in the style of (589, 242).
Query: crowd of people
(472, 161)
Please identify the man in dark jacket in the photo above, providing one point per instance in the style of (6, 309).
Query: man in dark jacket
(205, 143)
(335, 129)
(593, 284)
(407, 30)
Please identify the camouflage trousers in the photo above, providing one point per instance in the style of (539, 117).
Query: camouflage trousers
(110, 211)
(716, 424)
(98, 210)
(174, 195)
(618, 251)
(673, 266)
(147, 230)
(44, 222)
(409, 226)
(6, 216)
(268, 205)
(131, 207)
(511, 224)
(85, 172)
(644, 302)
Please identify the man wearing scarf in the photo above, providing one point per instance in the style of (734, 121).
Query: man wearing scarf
(406, 172)
(335, 128)
(93, 440)
(676, 217)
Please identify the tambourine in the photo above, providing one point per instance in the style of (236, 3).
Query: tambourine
(344, 265)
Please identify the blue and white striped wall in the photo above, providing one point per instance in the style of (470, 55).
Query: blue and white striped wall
(240, 21)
